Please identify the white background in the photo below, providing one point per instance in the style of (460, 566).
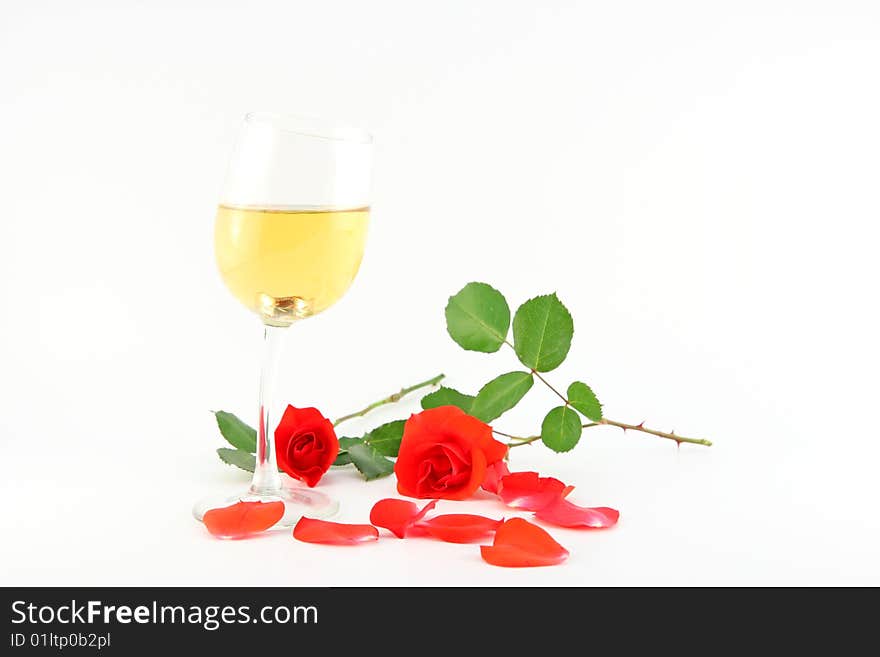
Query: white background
(698, 181)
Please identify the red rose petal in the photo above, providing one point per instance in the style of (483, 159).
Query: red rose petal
(528, 490)
(494, 473)
(243, 519)
(311, 530)
(512, 557)
(493, 449)
(460, 527)
(566, 514)
(520, 544)
(398, 516)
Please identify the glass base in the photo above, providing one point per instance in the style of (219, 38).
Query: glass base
(299, 500)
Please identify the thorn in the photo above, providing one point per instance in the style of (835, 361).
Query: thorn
(641, 424)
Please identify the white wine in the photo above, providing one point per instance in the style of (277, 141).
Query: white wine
(285, 263)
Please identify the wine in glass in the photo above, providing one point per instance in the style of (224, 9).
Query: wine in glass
(289, 238)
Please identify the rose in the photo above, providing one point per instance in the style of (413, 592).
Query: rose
(305, 444)
(444, 454)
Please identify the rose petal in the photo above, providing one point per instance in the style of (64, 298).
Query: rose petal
(520, 544)
(528, 490)
(398, 516)
(566, 514)
(493, 449)
(460, 527)
(494, 473)
(311, 530)
(512, 557)
(243, 519)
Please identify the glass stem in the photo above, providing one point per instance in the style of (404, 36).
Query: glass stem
(266, 480)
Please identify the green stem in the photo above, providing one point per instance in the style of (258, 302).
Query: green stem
(542, 379)
(622, 425)
(390, 399)
(547, 383)
(662, 434)
(613, 423)
(521, 440)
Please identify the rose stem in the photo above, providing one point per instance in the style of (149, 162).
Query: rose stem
(613, 423)
(390, 399)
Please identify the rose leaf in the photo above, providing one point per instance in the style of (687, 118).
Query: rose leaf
(370, 462)
(542, 331)
(561, 429)
(478, 318)
(584, 400)
(500, 395)
(342, 457)
(237, 433)
(385, 438)
(448, 397)
(237, 457)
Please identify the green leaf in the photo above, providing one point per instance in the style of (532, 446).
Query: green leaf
(345, 443)
(584, 400)
(237, 433)
(542, 330)
(237, 457)
(478, 318)
(444, 396)
(561, 429)
(343, 458)
(385, 439)
(370, 462)
(500, 395)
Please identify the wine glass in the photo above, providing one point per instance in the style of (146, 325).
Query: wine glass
(289, 238)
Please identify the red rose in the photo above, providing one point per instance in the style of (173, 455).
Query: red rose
(444, 454)
(305, 444)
